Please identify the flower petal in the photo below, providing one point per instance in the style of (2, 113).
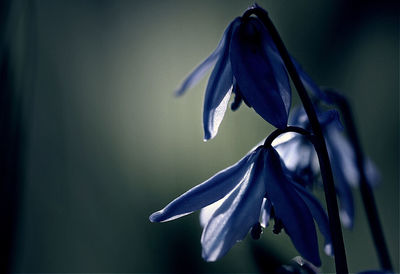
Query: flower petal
(265, 212)
(279, 70)
(326, 118)
(198, 73)
(342, 154)
(309, 83)
(206, 193)
(219, 89)
(344, 171)
(240, 211)
(297, 153)
(260, 73)
(298, 117)
(330, 118)
(290, 208)
(207, 212)
(317, 212)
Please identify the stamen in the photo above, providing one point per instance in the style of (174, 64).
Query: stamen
(278, 226)
(256, 231)
(238, 98)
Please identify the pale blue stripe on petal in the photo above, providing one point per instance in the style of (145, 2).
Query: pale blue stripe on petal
(207, 212)
(265, 213)
(219, 89)
(240, 211)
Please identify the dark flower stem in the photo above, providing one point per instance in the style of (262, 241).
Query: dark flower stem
(320, 146)
(280, 131)
(365, 188)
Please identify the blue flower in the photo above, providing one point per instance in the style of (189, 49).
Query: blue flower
(300, 157)
(247, 64)
(257, 188)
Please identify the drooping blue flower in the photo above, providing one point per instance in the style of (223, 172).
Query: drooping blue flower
(257, 188)
(246, 62)
(300, 157)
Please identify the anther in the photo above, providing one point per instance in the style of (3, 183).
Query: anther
(238, 98)
(277, 226)
(256, 231)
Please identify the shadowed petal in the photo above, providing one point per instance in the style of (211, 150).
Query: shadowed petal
(238, 213)
(342, 154)
(309, 83)
(206, 193)
(298, 117)
(261, 78)
(279, 70)
(290, 208)
(317, 212)
(198, 73)
(219, 89)
(344, 172)
(326, 118)
(330, 118)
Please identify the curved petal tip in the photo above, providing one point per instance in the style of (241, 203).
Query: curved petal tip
(153, 217)
(161, 216)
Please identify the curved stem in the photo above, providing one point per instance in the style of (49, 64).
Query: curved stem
(280, 131)
(365, 188)
(320, 146)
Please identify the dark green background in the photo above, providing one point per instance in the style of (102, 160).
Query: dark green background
(108, 143)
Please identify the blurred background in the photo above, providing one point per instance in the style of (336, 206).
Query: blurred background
(93, 140)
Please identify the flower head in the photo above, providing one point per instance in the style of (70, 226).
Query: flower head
(300, 157)
(257, 188)
(247, 63)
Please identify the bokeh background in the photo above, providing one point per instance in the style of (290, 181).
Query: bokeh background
(105, 143)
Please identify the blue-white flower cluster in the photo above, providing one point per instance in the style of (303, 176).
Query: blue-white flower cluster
(257, 188)
(270, 182)
(301, 159)
(247, 63)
